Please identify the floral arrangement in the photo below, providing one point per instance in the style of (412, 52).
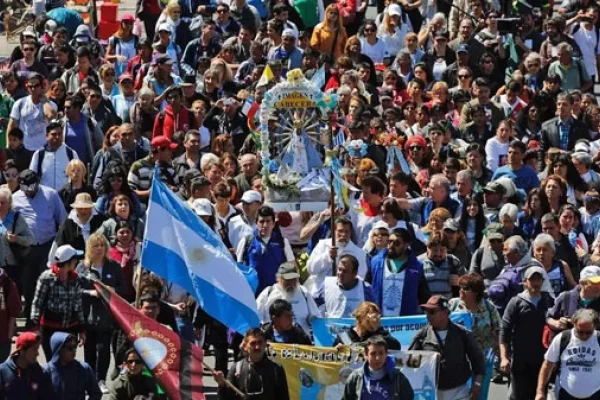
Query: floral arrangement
(387, 139)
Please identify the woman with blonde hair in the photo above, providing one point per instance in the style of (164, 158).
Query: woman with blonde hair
(439, 94)
(392, 30)
(368, 324)
(77, 174)
(171, 17)
(108, 85)
(330, 35)
(435, 222)
(97, 266)
(122, 46)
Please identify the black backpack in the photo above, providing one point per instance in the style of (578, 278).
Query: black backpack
(42, 154)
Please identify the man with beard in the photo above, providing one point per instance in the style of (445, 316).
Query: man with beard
(325, 255)
(288, 288)
(397, 279)
(554, 35)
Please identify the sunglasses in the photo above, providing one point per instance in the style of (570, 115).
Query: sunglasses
(464, 76)
(136, 361)
(369, 30)
(28, 49)
(221, 11)
(33, 85)
(415, 148)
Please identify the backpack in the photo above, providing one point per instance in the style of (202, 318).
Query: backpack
(224, 231)
(42, 154)
(506, 285)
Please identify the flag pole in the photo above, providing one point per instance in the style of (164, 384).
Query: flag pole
(332, 190)
(227, 382)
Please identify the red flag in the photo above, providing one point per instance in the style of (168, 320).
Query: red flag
(175, 363)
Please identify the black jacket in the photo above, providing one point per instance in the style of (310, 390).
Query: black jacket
(461, 356)
(392, 342)
(70, 233)
(96, 314)
(522, 327)
(22, 157)
(550, 136)
(265, 377)
(296, 335)
(67, 194)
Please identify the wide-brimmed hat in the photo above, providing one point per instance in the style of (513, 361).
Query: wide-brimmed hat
(83, 200)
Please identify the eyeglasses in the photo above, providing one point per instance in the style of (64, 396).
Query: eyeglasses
(115, 179)
(465, 76)
(415, 148)
(28, 49)
(33, 85)
(136, 361)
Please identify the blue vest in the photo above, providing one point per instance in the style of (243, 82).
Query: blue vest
(265, 263)
(322, 232)
(413, 268)
(450, 204)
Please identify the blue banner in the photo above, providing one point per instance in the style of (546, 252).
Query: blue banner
(402, 328)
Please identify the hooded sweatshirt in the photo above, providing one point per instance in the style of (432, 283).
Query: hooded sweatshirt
(73, 380)
(31, 383)
(366, 384)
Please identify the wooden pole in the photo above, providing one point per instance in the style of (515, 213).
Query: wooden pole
(227, 383)
(332, 190)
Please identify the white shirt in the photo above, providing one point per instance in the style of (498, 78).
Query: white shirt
(496, 153)
(239, 228)
(340, 303)
(319, 265)
(54, 165)
(32, 121)
(579, 364)
(376, 52)
(303, 305)
(588, 43)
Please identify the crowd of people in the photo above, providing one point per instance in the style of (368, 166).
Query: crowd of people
(469, 131)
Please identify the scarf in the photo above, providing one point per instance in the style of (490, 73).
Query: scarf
(127, 252)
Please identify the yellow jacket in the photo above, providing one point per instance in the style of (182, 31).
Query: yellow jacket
(322, 40)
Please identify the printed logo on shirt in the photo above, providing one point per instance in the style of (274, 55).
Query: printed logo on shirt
(581, 358)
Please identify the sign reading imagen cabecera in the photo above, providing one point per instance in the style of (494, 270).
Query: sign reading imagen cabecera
(403, 329)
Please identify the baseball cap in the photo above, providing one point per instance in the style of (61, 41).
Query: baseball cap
(451, 225)
(26, 340)
(590, 273)
(251, 196)
(28, 177)
(189, 79)
(494, 187)
(288, 270)
(128, 17)
(66, 252)
(381, 225)
(191, 174)
(529, 272)
(202, 207)
(164, 27)
(463, 48)
(494, 231)
(394, 9)
(161, 142)
(126, 77)
(436, 302)
(50, 26)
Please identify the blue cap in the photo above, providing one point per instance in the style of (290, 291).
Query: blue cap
(463, 48)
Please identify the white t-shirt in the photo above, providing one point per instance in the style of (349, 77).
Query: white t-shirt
(579, 365)
(496, 153)
(588, 43)
(32, 122)
(376, 52)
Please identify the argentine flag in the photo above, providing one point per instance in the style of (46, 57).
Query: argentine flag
(182, 249)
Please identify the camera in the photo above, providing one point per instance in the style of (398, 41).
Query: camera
(509, 25)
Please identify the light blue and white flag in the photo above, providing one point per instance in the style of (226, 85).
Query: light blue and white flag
(182, 249)
(318, 79)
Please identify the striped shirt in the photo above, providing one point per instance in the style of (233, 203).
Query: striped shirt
(142, 171)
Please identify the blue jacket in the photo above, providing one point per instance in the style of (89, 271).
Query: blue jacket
(415, 289)
(267, 262)
(450, 204)
(18, 384)
(74, 380)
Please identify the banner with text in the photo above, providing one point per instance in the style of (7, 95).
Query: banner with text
(319, 373)
(402, 328)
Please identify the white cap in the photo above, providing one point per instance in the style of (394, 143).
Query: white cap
(66, 252)
(394, 9)
(289, 33)
(165, 27)
(202, 207)
(251, 196)
(381, 225)
(590, 273)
